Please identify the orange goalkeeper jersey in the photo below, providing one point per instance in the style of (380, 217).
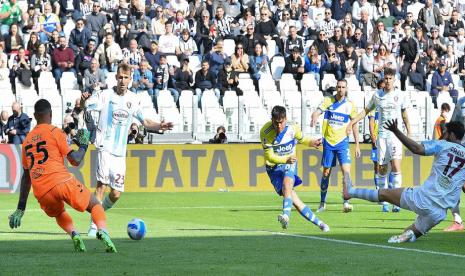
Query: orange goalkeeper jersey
(43, 154)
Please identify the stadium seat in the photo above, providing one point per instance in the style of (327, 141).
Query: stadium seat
(171, 114)
(195, 62)
(47, 81)
(68, 81)
(229, 47)
(329, 80)
(271, 50)
(244, 76)
(309, 83)
(172, 60)
(277, 67)
(165, 100)
(186, 109)
(68, 27)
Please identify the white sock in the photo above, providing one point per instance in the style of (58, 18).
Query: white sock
(457, 218)
(396, 179)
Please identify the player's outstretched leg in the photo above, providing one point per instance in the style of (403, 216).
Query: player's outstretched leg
(99, 219)
(307, 213)
(105, 238)
(286, 215)
(346, 207)
(381, 184)
(457, 225)
(348, 191)
(66, 223)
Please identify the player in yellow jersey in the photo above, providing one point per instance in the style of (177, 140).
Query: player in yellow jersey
(279, 139)
(338, 111)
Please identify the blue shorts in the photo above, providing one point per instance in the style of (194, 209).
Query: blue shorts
(374, 154)
(277, 174)
(328, 159)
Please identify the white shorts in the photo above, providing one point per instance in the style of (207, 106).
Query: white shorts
(426, 218)
(111, 169)
(388, 149)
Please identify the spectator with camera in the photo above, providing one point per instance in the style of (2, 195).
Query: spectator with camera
(143, 79)
(3, 127)
(94, 78)
(18, 125)
(220, 136)
(136, 134)
(70, 128)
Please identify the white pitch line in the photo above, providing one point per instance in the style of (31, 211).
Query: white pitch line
(366, 244)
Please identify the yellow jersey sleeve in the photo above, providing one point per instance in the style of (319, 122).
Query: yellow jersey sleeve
(327, 102)
(267, 136)
(354, 111)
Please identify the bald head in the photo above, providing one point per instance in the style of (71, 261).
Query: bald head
(16, 108)
(4, 115)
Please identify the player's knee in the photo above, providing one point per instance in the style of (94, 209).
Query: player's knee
(326, 172)
(382, 169)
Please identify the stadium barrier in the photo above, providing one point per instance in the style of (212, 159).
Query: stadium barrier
(204, 168)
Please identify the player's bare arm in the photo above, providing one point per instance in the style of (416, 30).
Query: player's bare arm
(157, 126)
(356, 138)
(413, 146)
(357, 118)
(406, 121)
(373, 135)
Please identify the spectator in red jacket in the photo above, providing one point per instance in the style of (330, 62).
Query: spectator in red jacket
(63, 60)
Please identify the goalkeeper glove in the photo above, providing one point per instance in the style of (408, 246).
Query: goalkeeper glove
(82, 138)
(15, 218)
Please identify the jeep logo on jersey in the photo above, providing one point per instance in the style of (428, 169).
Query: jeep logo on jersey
(286, 148)
(10, 162)
(336, 117)
(120, 115)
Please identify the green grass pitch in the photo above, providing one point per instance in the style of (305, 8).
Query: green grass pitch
(231, 233)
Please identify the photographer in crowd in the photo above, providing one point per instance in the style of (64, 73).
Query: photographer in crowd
(3, 127)
(220, 136)
(70, 128)
(136, 134)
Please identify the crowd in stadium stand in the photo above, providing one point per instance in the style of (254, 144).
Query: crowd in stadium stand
(421, 40)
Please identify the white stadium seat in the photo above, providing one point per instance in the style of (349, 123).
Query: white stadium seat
(277, 67)
(229, 47)
(68, 81)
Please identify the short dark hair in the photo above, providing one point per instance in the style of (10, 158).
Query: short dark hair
(445, 107)
(457, 128)
(42, 106)
(278, 112)
(162, 56)
(389, 72)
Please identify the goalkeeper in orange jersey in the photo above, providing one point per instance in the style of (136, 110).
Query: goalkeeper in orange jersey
(43, 154)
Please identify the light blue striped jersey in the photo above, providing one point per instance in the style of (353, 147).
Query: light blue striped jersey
(116, 115)
(444, 184)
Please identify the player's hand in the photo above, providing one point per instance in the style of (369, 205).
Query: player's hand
(166, 125)
(15, 218)
(316, 143)
(291, 160)
(357, 151)
(82, 137)
(391, 125)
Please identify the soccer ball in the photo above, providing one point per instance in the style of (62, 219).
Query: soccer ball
(136, 229)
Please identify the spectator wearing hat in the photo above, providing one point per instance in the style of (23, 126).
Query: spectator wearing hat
(331, 63)
(408, 54)
(294, 65)
(442, 82)
(429, 16)
(79, 37)
(240, 60)
(439, 43)
(153, 56)
(183, 76)
(452, 26)
(205, 79)
(187, 45)
(228, 79)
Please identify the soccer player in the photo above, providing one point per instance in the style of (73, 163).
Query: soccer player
(338, 111)
(43, 154)
(391, 104)
(279, 139)
(458, 115)
(439, 192)
(117, 107)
